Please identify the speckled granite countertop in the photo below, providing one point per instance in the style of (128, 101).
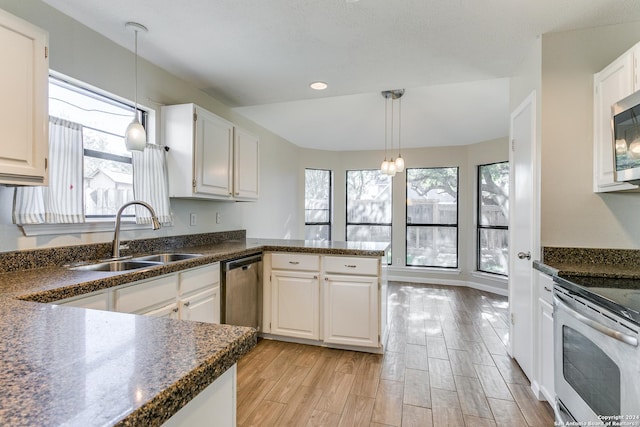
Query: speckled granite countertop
(72, 366)
(607, 263)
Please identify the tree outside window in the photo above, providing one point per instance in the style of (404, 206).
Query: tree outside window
(432, 217)
(317, 204)
(369, 205)
(493, 218)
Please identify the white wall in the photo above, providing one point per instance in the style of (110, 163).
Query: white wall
(464, 157)
(83, 54)
(571, 214)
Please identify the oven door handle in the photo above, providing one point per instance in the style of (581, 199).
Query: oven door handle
(627, 339)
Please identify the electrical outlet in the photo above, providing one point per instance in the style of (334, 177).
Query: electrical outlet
(218, 217)
(193, 219)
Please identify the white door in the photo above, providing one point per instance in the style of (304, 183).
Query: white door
(523, 230)
(351, 310)
(295, 310)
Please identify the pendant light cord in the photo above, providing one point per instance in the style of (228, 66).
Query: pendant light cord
(392, 128)
(386, 119)
(135, 111)
(399, 126)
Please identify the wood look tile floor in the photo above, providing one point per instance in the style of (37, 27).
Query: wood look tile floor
(445, 364)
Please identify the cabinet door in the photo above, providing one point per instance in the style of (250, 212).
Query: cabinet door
(96, 301)
(168, 312)
(351, 310)
(24, 106)
(610, 85)
(295, 310)
(213, 155)
(141, 297)
(246, 165)
(546, 350)
(202, 307)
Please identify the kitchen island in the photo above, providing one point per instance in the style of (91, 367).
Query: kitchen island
(74, 366)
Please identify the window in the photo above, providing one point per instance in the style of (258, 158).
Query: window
(317, 204)
(432, 217)
(108, 172)
(368, 206)
(493, 218)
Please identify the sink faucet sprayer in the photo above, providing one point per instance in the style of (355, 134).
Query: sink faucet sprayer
(155, 224)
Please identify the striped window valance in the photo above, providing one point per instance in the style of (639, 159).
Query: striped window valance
(150, 183)
(62, 201)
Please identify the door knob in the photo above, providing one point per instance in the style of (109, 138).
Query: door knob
(524, 255)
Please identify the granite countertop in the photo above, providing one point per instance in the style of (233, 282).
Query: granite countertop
(606, 263)
(73, 366)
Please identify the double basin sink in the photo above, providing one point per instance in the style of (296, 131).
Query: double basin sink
(136, 263)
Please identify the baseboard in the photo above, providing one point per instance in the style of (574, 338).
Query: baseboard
(495, 289)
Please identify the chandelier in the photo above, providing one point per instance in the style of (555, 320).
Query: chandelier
(391, 167)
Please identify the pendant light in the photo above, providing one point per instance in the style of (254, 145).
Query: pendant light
(399, 160)
(390, 167)
(135, 138)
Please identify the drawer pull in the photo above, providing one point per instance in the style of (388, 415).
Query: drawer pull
(315, 277)
(294, 262)
(187, 304)
(546, 288)
(175, 310)
(350, 265)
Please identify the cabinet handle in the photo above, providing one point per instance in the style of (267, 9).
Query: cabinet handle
(546, 288)
(294, 262)
(175, 310)
(315, 277)
(187, 304)
(350, 265)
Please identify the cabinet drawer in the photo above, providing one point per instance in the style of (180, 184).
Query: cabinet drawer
(351, 265)
(295, 262)
(545, 287)
(96, 301)
(134, 298)
(199, 278)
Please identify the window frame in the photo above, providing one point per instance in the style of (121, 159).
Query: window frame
(456, 225)
(480, 227)
(366, 224)
(107, 98)
(330, 216)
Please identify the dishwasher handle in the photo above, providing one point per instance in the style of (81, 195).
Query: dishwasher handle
(241, 262)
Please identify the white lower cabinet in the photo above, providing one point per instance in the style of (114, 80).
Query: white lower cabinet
(170, 311)
(145, 297)
(295, 304)
(351, 310)
(544, 347)
(213, 406)
(332, 300)
(96, 300)
(192, 294)
(202, 307)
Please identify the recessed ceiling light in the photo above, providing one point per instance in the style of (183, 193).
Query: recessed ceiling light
(318, 85)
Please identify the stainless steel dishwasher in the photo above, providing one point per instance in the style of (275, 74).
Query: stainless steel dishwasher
(241, 294)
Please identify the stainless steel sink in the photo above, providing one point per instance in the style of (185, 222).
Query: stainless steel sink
(166, 257)
(122, 265)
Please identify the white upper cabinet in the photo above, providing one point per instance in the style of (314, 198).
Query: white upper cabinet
(208, 156)
(24, 108)
(618, 80)
(246, 156)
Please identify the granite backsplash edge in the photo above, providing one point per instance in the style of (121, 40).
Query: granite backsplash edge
(59, 256)
(611, 257)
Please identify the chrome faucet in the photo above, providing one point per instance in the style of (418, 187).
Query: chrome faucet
(155, 224)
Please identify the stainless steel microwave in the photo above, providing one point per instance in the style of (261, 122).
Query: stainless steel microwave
(625, 124)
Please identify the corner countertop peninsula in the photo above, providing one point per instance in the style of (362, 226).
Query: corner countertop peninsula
(73, 366)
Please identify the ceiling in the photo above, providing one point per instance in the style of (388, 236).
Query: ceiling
(453, 57)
